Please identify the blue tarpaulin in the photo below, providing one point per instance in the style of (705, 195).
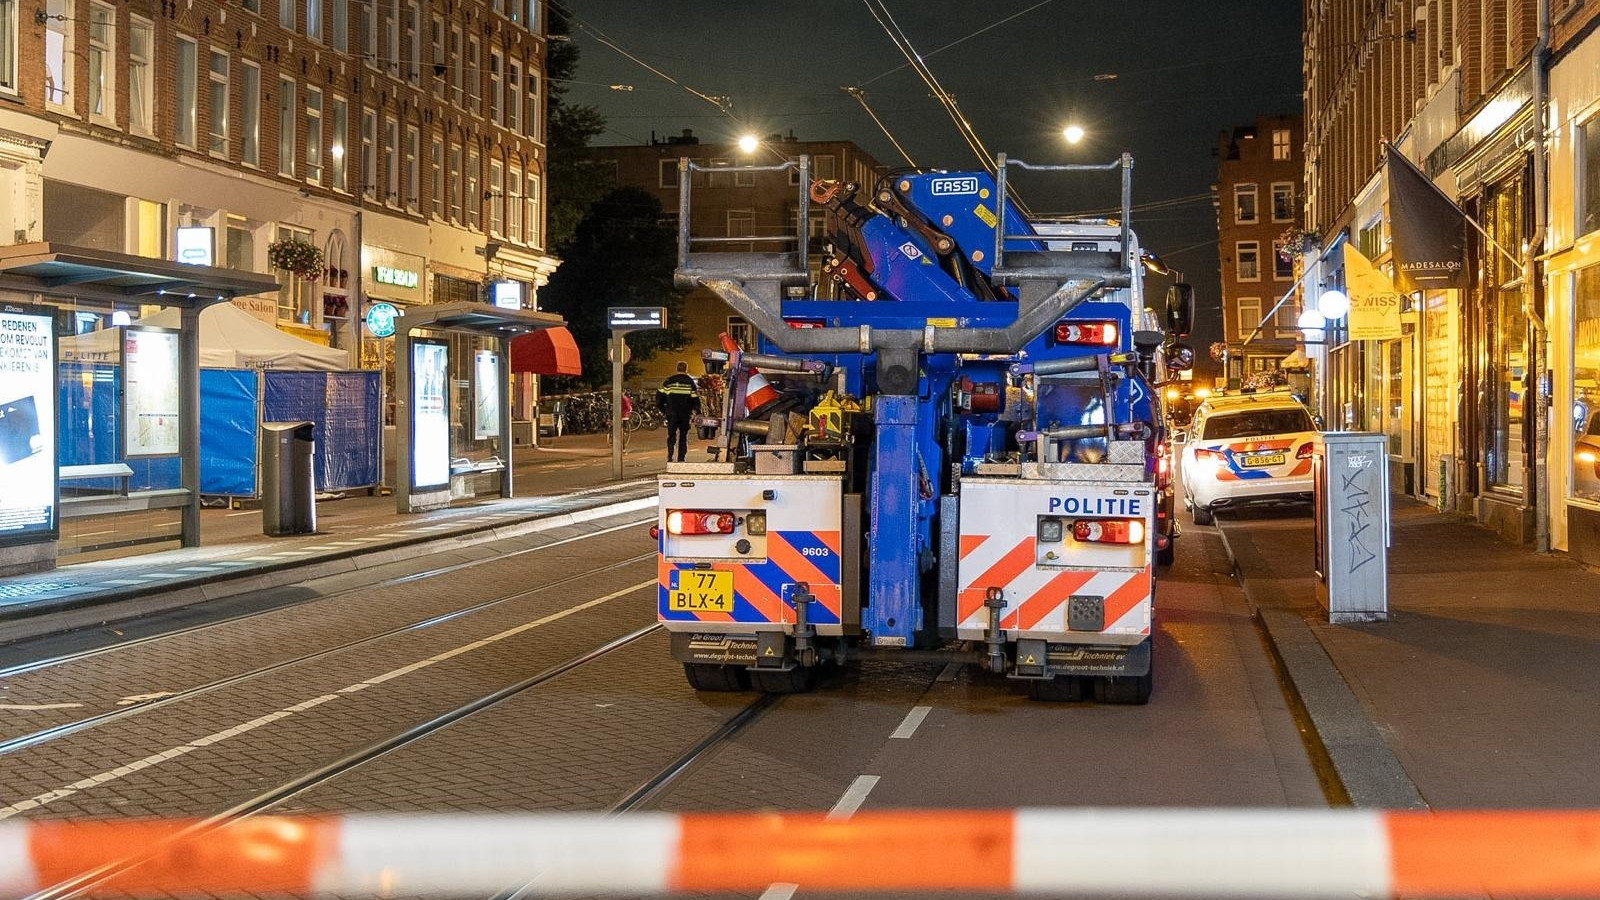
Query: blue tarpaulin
(344, 408)
(228, 447)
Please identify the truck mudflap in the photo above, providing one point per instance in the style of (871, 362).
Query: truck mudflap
(745, 580)
(1016, 538)
(1045, 659)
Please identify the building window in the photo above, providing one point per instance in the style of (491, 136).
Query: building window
(314, 20)
(514, 101)
(313, 135)
(1280, 144)
(339, 112)
(253, 5)
(295, 294)
(391, 39)
(497, 96)
(149, 228)
(339, 24)
(668, 172)
(1282, 201)
(1244, 204)
(413, 147)
(1588, 201)
(1507, 333)
(740, 331)
(250, 114)
(241, 240)
(456, 78)
(188, 59)
(514, 203)
(535, 116)
(102, 62)
(1249, 313)
(474, 195)
(58, 53)
(825, 166)
(1248, 260)
(141, 56)
(217, 105)
(455, 183)
(369, 31)
(533, 225)
(391, 162)
(286, 14)
(1586, 384)
(741, 223)
(8, 46)
(413, 47)
(474, 78)
(436, 176)
(1282, 266)
(497, 198)
(437, 48)
(369, 154)
(533, 16)
(286, 137)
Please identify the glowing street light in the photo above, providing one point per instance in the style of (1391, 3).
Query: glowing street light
(1334, 304)
(1073, 133)
(1310, 320)
(748, 143)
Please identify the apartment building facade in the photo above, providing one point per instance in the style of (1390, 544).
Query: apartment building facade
(1485, 396)
(404, 139)
(763, 206)
(1259, 171)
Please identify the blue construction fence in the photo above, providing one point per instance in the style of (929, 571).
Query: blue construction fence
(344, 406)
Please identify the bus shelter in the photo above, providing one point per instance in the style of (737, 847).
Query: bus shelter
(51, 289)
(452, 400)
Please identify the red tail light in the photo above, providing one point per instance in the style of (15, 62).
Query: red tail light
(1305, 451)
(691, 521)
(1162, 465)
(1100, 334)
(1108, 531)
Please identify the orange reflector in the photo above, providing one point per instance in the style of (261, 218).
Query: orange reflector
(1497, 854)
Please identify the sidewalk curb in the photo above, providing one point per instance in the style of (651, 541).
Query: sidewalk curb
(100, 607)
(1367, 770)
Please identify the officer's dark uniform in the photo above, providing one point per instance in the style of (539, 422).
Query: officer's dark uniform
(679, 399)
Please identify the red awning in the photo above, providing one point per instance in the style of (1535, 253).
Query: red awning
(548, 351)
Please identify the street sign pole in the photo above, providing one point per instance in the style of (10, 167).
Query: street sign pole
(618, 345)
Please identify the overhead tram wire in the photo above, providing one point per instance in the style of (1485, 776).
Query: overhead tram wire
(886, 21)
(961, 40)
(861, 98)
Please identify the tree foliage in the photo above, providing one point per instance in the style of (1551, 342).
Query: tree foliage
(620, 254)
(576, 178)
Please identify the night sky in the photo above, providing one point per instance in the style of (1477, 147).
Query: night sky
(1185, 70)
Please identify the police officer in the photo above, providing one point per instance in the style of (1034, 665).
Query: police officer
(679, 400)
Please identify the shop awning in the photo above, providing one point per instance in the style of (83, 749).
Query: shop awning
(118, 277)
(548, 352)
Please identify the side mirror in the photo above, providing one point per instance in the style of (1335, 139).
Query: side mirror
(1320, 424)
(1180, 309)
(1180, 437)
(1179, 358)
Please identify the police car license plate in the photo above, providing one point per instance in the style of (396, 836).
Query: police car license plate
(1263, 459)
(699, 590)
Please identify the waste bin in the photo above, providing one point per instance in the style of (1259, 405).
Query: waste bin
(288, 482)
(1351, 493)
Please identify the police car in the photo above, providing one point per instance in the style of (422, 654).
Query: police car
(1248, 448)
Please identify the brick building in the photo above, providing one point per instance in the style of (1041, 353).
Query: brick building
(401, 134)
(1259, 172)
(736, 204)
(1483, 396)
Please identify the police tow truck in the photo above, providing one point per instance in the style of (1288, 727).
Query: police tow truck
(944, 444)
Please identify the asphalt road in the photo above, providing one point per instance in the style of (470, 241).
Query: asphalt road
(382, 686)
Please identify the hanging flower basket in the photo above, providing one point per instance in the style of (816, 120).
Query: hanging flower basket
(1293, 242)
(296, 257)
(1217, 349)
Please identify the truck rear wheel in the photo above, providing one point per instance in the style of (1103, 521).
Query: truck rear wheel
(1168, 554)
(714, 677)
(797, 680)
(1058, 689)
(1125, 690)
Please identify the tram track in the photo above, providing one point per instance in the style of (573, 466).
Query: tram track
(55, 732)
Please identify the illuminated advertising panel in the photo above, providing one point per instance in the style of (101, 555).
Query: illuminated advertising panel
(430, 415)
(150, 397)
(486, 394)
(27, 425)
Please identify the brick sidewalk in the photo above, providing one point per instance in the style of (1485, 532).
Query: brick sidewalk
(1484, 681)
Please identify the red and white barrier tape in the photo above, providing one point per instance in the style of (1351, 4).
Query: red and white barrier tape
(1173, 853)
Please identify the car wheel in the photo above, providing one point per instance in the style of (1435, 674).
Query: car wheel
(1202, 515)
(1167, 555)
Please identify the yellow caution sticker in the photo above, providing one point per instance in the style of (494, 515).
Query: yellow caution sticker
(941, 323)
(769, 652)
(984, 213)
(1029, 661)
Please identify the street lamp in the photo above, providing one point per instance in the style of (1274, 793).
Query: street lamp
(1310, 320)
(1073, 133)
(1334, 304)
(748, 144)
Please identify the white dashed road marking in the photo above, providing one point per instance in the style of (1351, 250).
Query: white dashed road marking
(854, 796)
(36, 706)
(908, 726)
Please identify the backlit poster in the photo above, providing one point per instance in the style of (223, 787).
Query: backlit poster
(27, 424)
(430, 415)
(486, 394)
(150, 399)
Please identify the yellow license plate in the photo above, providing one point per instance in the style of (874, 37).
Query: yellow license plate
(1269, 459)
(700, 590)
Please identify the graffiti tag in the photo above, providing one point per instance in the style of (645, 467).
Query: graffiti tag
(1359, 519)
